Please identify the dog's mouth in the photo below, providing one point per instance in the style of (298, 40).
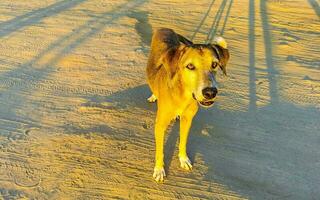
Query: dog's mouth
(204, 103)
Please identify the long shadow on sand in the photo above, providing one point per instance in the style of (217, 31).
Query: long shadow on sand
(217, 19)
(226, 18)
(36, 16)
(202, 21)
(213, 30)
(315, 6)
(252, 55)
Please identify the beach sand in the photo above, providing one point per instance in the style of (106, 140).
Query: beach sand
(75, 123)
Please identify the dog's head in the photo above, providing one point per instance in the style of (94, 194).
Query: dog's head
(196, 65)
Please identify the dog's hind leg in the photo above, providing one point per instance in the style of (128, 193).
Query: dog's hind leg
(152, 99)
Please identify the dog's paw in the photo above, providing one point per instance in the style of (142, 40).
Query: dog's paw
(159, 174)
(185, 163)
(152, 99)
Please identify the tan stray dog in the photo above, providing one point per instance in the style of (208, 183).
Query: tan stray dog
(181, 76)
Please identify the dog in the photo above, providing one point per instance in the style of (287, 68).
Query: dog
(181, 76)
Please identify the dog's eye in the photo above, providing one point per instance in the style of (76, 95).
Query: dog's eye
(214, 65)
(191, 66)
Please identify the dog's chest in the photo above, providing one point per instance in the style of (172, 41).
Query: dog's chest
(178, 113)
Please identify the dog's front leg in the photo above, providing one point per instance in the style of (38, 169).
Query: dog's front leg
(162, 122)
(185, 124)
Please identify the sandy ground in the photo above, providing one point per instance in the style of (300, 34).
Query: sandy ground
(74, 122)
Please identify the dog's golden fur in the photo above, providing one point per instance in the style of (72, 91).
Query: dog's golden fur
(178, 71)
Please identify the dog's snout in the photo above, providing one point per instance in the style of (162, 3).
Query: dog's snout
(209, 92)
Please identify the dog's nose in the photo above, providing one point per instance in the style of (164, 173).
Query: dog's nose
(209, 92)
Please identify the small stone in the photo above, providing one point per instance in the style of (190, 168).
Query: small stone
(146, 125)
(205, 132)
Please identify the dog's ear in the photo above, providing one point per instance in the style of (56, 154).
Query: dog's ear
(220, 47)
(170, 59)
(184, 40)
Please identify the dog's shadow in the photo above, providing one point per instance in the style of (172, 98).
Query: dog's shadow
(126, 99)
(136, 98)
